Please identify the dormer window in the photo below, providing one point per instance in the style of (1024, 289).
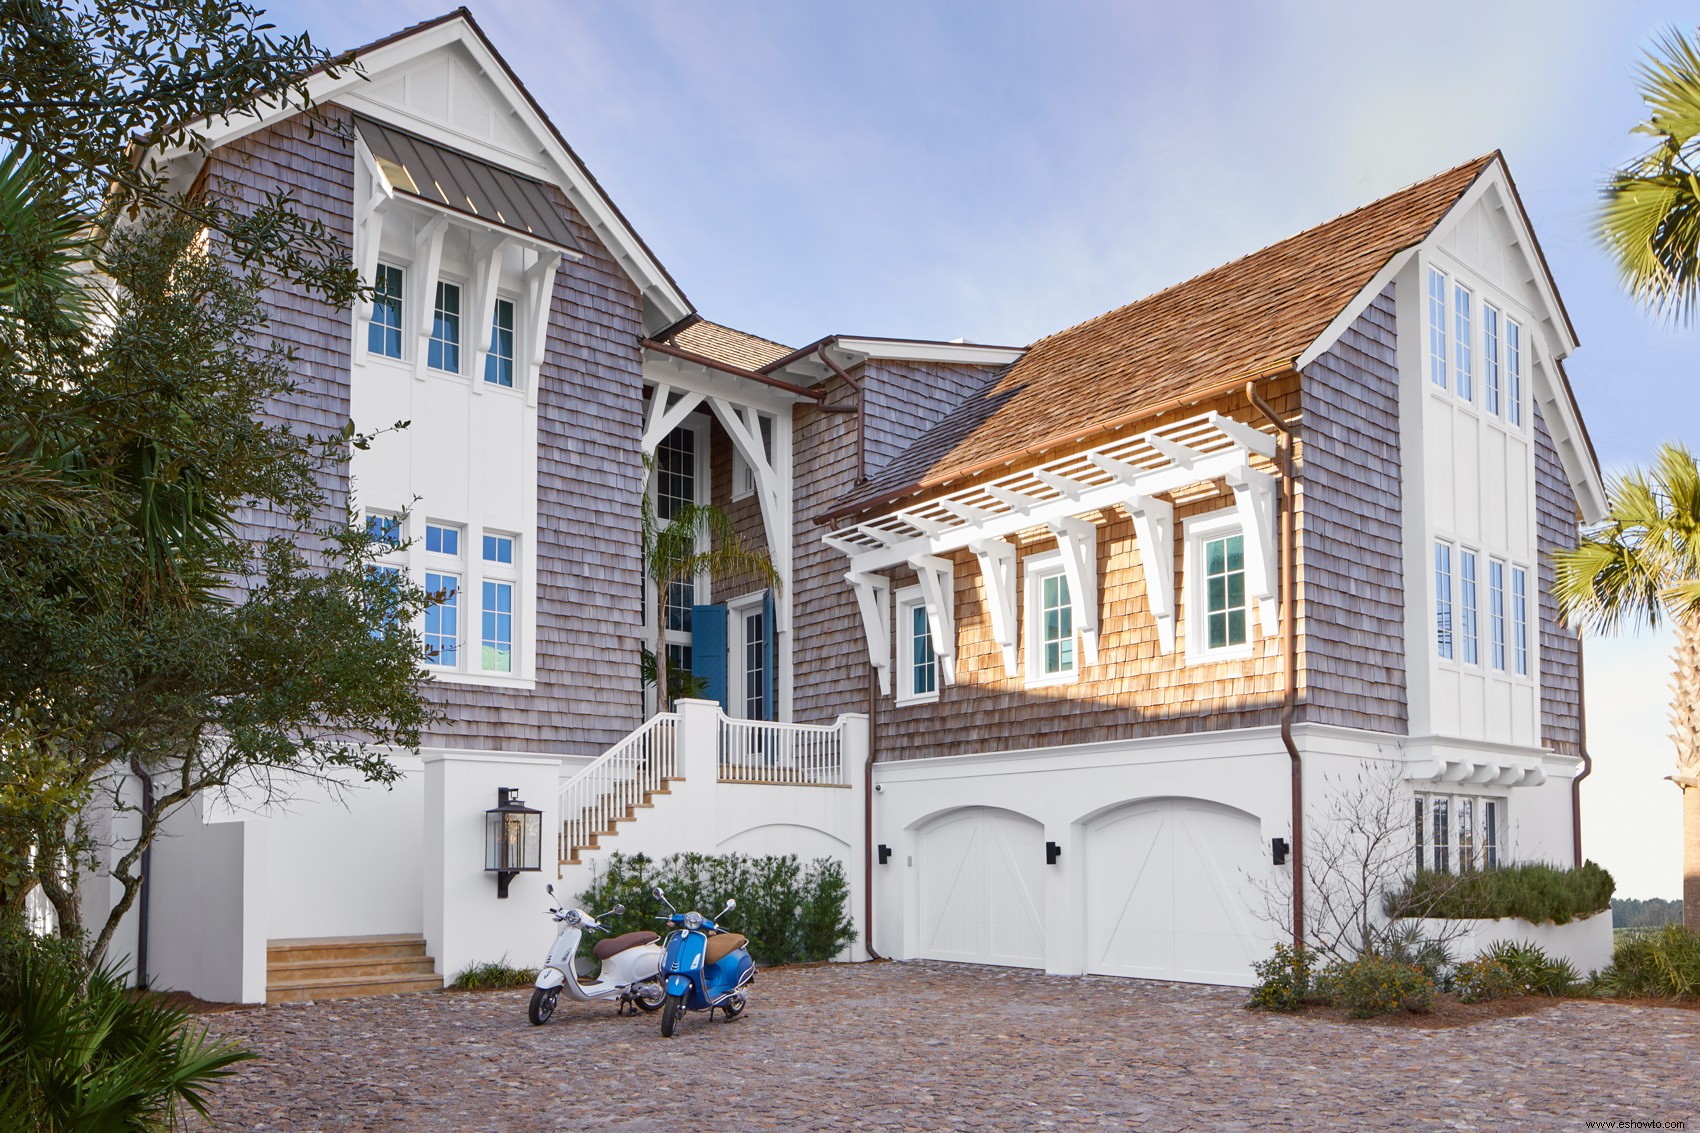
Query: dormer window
(383, 333)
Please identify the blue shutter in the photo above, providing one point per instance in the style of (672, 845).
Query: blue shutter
(708, 650)
(769, 657)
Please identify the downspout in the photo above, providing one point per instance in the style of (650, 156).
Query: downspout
(1290, 654)
(1587, 760)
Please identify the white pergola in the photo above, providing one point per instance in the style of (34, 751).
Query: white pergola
(1130, 473)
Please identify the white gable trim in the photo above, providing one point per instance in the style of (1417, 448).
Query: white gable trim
(555, 164)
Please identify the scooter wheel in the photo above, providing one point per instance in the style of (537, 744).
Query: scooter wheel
(734, 1007)
(670, 1012)
(543, 1005)
(649, 997)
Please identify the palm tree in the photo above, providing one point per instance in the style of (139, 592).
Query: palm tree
(696, 539)
(1642, 566)
(1651, 216)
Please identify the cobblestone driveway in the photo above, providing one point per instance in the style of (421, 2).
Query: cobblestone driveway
(922, 1046)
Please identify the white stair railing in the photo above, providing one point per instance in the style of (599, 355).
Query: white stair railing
(618, 780)
(759, 751)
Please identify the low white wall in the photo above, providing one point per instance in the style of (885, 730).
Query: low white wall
(207, 907)
(1586, 943)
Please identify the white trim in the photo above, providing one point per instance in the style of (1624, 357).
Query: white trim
(1201, 529)
(1035, 570)
(737, 670)
(896, 350)
(1077, 542)
(873, 601)
(908, 600)
(997, 559)
(938, 588)
(1350, 313)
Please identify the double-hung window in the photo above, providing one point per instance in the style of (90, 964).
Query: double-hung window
(676, 488)
(755, 662)
(442, 585)
(1050, 622)
(1443, 599)
(1520, 620)
(383, 333)
(1468, 636)
(1437, 327)
(1490, 359)
(1458, 833)
(1513, 372)
(385, 530)
(917, 662)
(1224, 592)
(443, 352)
(499, 362)
(496, 629)
(1463, 340)
(1496, 614)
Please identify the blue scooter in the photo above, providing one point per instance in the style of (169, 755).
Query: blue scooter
(705, 966)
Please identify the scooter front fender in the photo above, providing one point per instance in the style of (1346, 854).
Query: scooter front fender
(679, 985)
(548, 978)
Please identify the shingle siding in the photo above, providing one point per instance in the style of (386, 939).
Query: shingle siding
(1351, 594)
(1555, 528)
(905, 399)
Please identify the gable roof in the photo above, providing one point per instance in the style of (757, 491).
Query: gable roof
(1243, 320)
(723, 344)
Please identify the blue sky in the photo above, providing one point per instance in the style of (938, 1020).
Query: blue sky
(998, 171)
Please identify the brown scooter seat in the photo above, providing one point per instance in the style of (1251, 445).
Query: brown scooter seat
(614, 945)
(721, 944)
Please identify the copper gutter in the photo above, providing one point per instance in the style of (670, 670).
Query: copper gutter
(861, 417)
(1289, 653)
(1587, 760)
(728, 368)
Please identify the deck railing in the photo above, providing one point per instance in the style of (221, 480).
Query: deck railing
(757, 751)
(617, 781)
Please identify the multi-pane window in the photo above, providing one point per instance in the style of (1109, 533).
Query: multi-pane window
(1490, 359)
(1467, 635)
(1513, 372)
(755, 665)
(923, 664)
(1224, 592)
(1496, 614)
(1443, 598)
(1520, 620)
(499, 362)
(385, 530)
(443, 352)
(441, 540)
(1437, 327)
(383, 333)
(1056, 634)
(675, 487)
(497, 621)
(1463, 339)
(442, 619)
(391, 577)
(1458, 833)
(743, 475)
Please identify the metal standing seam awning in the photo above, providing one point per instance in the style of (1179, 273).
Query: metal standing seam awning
(464, 184)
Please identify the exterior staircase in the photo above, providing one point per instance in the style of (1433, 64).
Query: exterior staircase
(339, 967)
(621, 782)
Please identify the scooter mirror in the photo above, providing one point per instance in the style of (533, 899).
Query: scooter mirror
(618, 909)
(551, 888)
(659, 896)
(731, 904)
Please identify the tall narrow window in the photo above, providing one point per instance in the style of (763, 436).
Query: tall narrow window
(1056, 628)
(443, 352)
(1224, 591)
(1442, 836)
(676, 487)
(1520, 620)
(499, 363)
(1496, 614)
(1443, 598)
(383, 333)
(442, 619)
(755, 665)
(496, 629)
(1490, 359)
(1466, 820)
(1467, 606)
(1422, 842)
(1463, 343)
(1513, 372)
(1437, 327)
(1490, 834)
(923, 664)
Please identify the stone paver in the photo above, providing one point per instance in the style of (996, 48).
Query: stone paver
(923, 1046)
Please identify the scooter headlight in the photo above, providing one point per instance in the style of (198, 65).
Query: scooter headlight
(573, 917)
(693, 921)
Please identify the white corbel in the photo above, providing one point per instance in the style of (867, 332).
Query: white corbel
(479, 316)
(743, 425)
(539, 301)
(1078, 541)
(369, 222)
(1254, 500)
(664, 418)
(967, 513)
(428, 254)
(997, 573)
(1154, 531)
(1179, 454)
(1015, 501)
(938, 591)
(1065, 487)
(873, 599)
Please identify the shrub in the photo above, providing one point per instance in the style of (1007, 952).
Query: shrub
(1542, 894)
(1663, 963)
(1408, 944)
(1283, 980)
(791, 913)
(100, 1057)
(1482, 979)
(1532, 971)
(1374, 985)
(1654, 912)
(495, 974)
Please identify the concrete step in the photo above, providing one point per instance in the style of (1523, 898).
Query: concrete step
(295, 949)
(349, 987)
(297, 971)
(337, 967)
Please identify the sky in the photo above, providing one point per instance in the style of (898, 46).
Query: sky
(998, 171)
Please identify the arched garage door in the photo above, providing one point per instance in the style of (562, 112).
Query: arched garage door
(1169, 893)
(980, 880)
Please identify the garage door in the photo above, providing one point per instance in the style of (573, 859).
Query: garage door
(1169, 893)
(980, 877)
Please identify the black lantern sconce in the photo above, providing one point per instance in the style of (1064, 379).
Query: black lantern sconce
(1278, 850)
(885, 853)
(513, 838)
(1052, 853)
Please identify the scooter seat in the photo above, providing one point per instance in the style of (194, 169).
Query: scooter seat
(615, 945)
(721, 945)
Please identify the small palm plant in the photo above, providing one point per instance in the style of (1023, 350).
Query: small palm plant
(696, 539)
(1642, 566)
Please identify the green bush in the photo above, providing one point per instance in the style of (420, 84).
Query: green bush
(1283, 980)
(1374, 985)
(1542, 894)
(791, 913)
(100, 1057)
(1482, 979)
(1407, 944)
(1664, 963)
(495, 974)
(1532, 971)
(1654, 912)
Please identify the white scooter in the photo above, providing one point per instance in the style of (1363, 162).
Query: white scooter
(630, 966)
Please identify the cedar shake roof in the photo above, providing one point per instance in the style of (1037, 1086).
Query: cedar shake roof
(723, 344)
(1248, 318)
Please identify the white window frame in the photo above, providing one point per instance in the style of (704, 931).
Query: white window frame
(1424, 843)
(907, 601)
(1200, 530)
(1445, 641)
(1493, 350)
(444, 279)
(434, 562)
(509, 574)
(698, 424)
(1440, 334)
(1515, 368)
(1463, 342)
(1035, 570)
(514, 363)
(737, 644)
(405, 266)
(743, 476)
(1467, 624)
